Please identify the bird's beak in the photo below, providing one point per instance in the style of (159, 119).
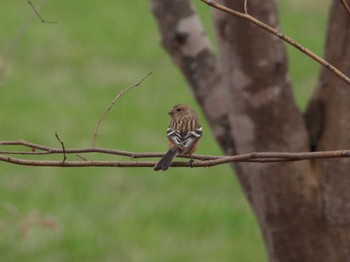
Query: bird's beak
(170, 113)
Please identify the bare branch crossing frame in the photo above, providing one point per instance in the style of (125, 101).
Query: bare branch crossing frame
(202, 160)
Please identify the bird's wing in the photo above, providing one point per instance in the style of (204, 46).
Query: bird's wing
(184, 140)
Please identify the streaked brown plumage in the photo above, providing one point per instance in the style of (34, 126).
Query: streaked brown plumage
(184, 132)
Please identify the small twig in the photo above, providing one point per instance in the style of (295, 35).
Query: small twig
(122, 92)
(63, 148)
(246, 7)
(38, 14)
(282, 36)
(346, 6)
(81, 157)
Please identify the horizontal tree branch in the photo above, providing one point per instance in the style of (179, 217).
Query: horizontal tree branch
(202, 160)
(37, 149)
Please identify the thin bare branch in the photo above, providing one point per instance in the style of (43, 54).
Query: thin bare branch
(89, 163)
(81, 157)
(346, 6)
(282, 36)
(246, 7)
(38, 14)
(202, 160)
(36, 149)
(122, 92)
(63, 148)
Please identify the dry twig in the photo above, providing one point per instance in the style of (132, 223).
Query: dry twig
(346, 6)
(63, 148)
(279, 34)
(122, 92)
(246, 7)
(38, 14)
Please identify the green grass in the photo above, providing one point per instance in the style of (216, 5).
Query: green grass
(60, 78)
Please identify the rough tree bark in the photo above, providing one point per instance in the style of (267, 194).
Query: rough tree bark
(246, 95)
(328, 119)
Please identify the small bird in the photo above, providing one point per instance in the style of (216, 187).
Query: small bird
(184, 132)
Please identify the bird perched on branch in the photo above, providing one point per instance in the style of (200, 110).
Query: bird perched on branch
(184, 132)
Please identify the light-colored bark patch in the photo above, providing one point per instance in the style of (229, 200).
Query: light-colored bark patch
(265, 96)
(211, 101)
(244, 133)
(262, 62)
(197, 40)
(240, 79)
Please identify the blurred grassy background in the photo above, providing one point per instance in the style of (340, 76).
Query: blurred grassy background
(60, 78)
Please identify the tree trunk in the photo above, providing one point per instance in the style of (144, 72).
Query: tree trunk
(330, 107)
(297, 204)
(184, 38)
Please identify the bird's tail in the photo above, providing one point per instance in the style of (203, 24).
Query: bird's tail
(166, 160)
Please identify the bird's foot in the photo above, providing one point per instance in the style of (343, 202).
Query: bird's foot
(191, 163)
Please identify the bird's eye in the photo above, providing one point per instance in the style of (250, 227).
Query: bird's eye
(178, 109)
